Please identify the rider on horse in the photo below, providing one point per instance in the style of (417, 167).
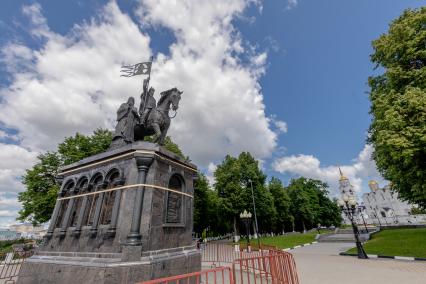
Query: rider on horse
(148, 101)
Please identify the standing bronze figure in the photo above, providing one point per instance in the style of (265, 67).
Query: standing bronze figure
(148, 101)
(127, 119)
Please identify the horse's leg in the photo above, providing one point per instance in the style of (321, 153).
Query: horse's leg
(163, 134)
(157, 130)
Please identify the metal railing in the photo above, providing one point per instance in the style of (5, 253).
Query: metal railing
(219, 275)
(277, 267)
(10, 264)
(221, 253)
(251, 267)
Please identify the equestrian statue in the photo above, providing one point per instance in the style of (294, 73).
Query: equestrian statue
(151, 119)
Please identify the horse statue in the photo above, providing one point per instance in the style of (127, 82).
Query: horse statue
(157, 122)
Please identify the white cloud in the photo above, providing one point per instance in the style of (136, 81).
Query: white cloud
(71, 83)
(7, 136)
(280, 125)
(76, 78)
(210, 173)
(359, 172)
(222, 110)
(7, 213)
(13, 162)
(291, 4)
(272, 43)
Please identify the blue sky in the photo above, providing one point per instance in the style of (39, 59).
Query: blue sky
(286, 81)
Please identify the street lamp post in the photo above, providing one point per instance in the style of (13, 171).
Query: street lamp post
(255, 216)
(246, 218)
(348, 205)
(360, 211)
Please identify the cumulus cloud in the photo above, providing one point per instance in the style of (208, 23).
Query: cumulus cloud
(71, 82)
(272, 43)
(9, 207)
(281, 126)
(291, 4)
(359, 172)
(13, 160)
(222, 108)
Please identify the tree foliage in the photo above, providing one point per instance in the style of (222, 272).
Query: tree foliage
(398, 97)
(283, 219)
(235, 177)
(310, 205)
(38, 199)
(301, 205)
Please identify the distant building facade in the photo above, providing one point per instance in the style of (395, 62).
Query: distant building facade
(384, 208)
(8, 235)
(28, 231)
(345, 187)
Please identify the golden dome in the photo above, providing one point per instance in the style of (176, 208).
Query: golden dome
(373, 185)
(342, 177)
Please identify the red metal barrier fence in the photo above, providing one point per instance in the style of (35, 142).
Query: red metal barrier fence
(264, 266)
(219, 275)
(221, 253)
(275, 267)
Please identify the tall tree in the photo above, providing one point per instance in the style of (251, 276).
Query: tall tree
(281, 204)
(38, 199)
(398, 105)
(80, 146)
(234, 180)
(201, 203)
(310, 204)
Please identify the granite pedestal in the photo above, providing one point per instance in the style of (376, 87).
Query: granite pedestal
(122, 216)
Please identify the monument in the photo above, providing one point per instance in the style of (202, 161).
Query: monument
(125, 215)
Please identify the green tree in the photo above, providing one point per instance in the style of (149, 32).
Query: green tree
(38, 199)
(398, 105)
(80, 146)
(234, 178)
(310, 204)
(282, 205)
(201, 203)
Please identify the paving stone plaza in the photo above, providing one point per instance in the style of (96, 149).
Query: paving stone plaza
(321, 263)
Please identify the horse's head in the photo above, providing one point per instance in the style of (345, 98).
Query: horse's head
(175, 98)
(168, 97)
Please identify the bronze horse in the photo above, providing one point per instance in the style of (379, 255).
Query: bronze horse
(157, 122)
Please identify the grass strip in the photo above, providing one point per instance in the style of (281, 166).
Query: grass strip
(397, 242)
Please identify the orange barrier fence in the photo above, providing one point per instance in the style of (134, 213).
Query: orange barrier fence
(219, 275)
(276, 267)
(264, 266)
(225, 253)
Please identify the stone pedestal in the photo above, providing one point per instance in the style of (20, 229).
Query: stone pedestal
(123, 216)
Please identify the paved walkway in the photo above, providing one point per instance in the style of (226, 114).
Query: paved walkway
(321, 264)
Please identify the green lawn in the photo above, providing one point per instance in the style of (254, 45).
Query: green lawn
(398, 242)
(286, 241)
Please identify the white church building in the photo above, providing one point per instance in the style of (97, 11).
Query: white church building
(380, 206)
(384, 208)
